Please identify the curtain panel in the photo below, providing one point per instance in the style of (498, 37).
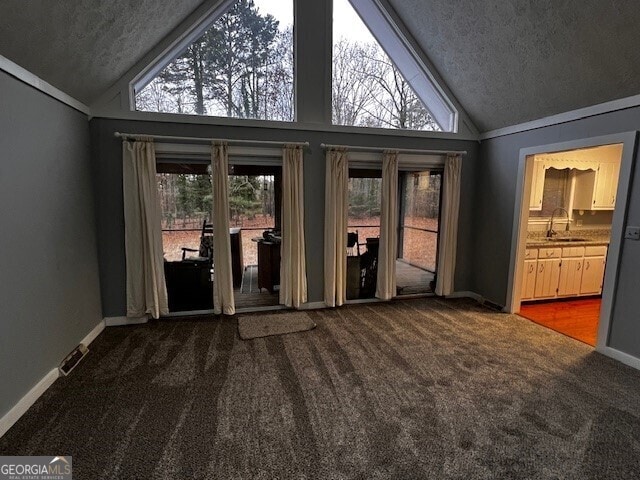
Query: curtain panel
(293, 267)
(335, 227)
(223, 300)
(449, 225)
(386, 281)
(146, 286)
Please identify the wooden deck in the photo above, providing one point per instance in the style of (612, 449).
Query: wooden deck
(248, 295)
(412, 280)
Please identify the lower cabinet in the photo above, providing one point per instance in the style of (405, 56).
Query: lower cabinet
(547, 277)
(592, 275)
(570, 277)
(567, 272)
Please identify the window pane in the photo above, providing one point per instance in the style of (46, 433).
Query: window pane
(185, 201)
(364, 207)
(419, 231)
(421, 199)
(252, 207)
(368, 89)
(556, 186)
(419, 248)
(241, 67)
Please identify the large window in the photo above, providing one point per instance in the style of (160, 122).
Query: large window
(186, 202)
(372, 90)
(241, 67)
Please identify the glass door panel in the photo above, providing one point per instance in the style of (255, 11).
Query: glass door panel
(418, 231)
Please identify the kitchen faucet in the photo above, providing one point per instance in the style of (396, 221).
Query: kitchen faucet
(551, 232)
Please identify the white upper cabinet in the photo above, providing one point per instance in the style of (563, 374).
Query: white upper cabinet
(537, 185)
(596, 190)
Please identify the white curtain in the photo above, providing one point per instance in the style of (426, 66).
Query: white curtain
(293, 267)
(223, 301)
(386, 282)
(449, 225)
(146, 287)
(335, 227)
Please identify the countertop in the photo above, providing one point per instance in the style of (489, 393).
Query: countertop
(592, 240)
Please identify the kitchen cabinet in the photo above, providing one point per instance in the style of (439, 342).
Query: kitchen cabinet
(554, 272)
(529, 279)
(537, 185)
(593, 271)
(570, 277)
(547, 278)
(596, 189)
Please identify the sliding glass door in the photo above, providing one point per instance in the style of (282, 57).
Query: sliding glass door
(418, 230)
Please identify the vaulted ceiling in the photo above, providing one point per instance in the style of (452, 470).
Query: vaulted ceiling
(511, 61)
(82, 47)
(506, 61)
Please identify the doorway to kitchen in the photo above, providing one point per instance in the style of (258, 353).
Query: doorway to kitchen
(567, 235)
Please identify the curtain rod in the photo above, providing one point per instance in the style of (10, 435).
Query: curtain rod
(399, 150)
(201, 139)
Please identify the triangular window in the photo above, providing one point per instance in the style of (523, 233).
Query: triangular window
(240, 65)
(377, 80)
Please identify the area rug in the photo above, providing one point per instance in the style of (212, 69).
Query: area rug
(257, 326)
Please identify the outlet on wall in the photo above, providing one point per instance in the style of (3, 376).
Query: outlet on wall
(632, 233)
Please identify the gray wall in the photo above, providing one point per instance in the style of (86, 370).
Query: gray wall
(49, 275)
(494, 210)
(107, 164)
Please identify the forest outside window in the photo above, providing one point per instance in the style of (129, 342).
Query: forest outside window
(377, 82)
(240, 67)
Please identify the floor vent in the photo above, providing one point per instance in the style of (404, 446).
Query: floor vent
(71, 360)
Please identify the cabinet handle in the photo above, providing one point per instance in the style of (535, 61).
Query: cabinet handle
(587, 266)
(613, 199)
(579, 266)
(541, 268)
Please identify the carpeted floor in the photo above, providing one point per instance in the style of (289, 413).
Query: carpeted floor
(414, 389)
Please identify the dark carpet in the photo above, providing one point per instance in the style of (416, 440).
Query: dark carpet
(403, 390)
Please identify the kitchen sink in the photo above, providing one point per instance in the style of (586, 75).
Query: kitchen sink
(566, 239)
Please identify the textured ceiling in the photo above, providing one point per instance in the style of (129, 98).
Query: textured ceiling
(506, 61)
(82, 47)
(511, 61)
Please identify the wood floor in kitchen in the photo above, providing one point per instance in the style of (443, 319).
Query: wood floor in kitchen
(575, 318)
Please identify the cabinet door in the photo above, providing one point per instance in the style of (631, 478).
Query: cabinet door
(606, 186)
(593, 276)
(571, 272)
(529, 279)
(547, 278)
(537, 185)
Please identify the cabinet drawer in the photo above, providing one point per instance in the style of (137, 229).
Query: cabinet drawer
(595, 251)
(568, 252)
(550, 253)
(531, 254)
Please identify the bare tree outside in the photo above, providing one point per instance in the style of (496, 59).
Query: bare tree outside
(242, 67)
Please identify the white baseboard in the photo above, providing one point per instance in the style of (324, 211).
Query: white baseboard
(91, 336)
(19, 409)
(312, 305)
(120, 321)
(625, 358)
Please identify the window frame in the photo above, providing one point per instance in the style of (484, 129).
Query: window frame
(408, 61)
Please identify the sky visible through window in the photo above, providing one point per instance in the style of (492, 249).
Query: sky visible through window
(242, 67)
